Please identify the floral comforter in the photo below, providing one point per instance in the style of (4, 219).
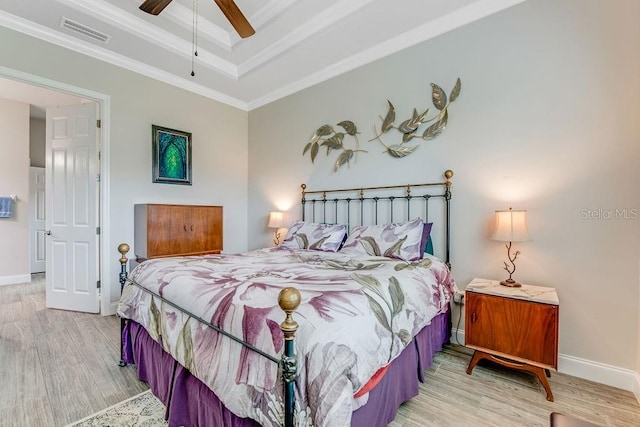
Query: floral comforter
(356, 315)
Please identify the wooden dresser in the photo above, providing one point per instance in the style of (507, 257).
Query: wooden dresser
(172, 230)
(515, 327)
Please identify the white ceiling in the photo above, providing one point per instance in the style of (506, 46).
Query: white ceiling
(40, 98)
(297, 44)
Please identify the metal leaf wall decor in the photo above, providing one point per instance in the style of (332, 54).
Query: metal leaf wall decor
(326, 136)
(410, 129)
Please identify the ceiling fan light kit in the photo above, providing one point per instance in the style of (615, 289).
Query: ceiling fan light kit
(228, 8)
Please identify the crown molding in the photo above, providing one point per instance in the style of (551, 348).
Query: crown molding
(432, 29)
(151, 33)
(458, 18)
(269, 11)
(259, 19)
(54, 37)
(320, 22)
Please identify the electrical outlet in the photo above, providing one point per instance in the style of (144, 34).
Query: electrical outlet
(458, 298)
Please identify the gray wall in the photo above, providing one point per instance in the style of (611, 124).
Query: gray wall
(14, 180)
(219, 139)
(547, 121)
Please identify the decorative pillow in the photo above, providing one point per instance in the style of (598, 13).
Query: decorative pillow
(429, 248)
(321, 237)
(426, 244)
(402, 241)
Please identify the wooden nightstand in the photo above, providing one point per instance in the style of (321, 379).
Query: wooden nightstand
(515, 327)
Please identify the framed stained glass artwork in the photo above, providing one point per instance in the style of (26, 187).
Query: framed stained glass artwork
(171, 156)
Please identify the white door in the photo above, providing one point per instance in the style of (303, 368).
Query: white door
(72, 208)
(36, 220)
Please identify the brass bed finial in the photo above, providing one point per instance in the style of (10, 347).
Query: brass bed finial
(123, 248)
(448, 174)
(289, 300)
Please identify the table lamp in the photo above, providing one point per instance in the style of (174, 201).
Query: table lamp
(511, 226)
(276, 221)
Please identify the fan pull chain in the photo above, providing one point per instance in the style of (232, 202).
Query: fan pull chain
(194, 36)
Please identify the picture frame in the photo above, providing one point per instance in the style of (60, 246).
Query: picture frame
(171, 150)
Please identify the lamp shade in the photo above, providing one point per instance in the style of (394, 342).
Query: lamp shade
(511, 226)
(276, 220)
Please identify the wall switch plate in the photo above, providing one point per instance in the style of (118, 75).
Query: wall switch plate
(458, 297)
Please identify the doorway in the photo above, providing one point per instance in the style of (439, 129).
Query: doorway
(101, 213)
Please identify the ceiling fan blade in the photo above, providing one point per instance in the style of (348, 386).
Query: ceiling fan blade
(154, 7)
(235, 17)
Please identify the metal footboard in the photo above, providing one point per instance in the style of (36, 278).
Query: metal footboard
(288, 300)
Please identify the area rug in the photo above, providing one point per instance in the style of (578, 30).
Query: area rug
(142, 410)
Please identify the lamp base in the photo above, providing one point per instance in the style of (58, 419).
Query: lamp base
(511, 283)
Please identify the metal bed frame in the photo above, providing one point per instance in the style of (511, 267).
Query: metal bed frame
(355, 203)
(289, 298)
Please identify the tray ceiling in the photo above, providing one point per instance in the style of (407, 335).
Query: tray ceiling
(297, 44)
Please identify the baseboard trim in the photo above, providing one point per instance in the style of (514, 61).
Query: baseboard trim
(602, 373)
(14, 280)
(457, 336)
(113, 309)
(596, 371)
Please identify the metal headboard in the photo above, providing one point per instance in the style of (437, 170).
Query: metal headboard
(364, 206)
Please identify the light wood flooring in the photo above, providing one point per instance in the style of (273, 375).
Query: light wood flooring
(57, 367)
(497, 396)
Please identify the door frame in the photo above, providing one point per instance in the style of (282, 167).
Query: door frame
(105, 257)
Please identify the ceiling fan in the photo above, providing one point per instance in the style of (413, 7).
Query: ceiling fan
(228, 7)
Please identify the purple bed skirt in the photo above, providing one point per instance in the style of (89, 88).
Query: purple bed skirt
(190, 403)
